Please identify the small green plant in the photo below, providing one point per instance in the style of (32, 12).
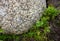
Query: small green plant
(39, 29)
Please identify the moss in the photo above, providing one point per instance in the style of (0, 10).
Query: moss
(38, 31)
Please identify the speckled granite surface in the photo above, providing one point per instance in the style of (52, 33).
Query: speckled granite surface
(17, 16)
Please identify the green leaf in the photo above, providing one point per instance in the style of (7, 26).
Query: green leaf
(39, 23)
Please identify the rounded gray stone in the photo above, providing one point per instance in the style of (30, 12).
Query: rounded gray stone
(18, 16)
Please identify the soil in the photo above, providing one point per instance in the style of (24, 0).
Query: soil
(54, 24)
